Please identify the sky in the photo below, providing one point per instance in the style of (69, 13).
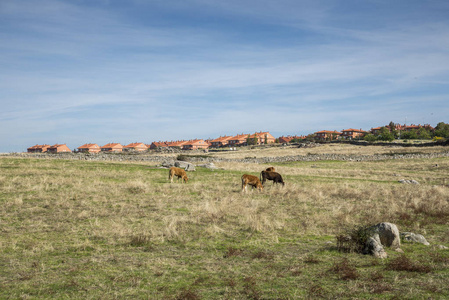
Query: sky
(100, 71)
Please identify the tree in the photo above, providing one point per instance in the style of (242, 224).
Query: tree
(411, 135)
(251, 141)
(424, 134)
(385, 134)
(393, 129)
(442, 130)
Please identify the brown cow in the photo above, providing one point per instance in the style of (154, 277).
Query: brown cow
(179, 173)
(252, 181)
(270, 169)
(276, 177)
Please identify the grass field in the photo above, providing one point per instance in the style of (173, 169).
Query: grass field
(110, 230)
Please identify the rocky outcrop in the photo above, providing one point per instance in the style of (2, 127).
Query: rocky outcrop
(382, 235)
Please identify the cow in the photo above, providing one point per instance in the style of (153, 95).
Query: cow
(252, 181)
(179, 173)
(270, 169)
(270, 175)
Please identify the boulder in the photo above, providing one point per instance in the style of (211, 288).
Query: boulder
(210, 166)
(380, 236)
(410, 181)
(414, 238)
(374, 247)
(184, 165)
(388, 234)
(168, 164)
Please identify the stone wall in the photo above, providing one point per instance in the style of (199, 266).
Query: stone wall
(140, 157)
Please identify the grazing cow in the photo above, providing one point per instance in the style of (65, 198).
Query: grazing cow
(252, 181)
(270, 175)
(270, 169)
(179, 173)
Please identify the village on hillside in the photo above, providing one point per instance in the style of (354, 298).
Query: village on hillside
(388, 132)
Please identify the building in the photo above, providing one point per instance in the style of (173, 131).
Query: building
(288, 139)
(135, 147)
(176, 144)
(155, 145)
(38, 149)
(58, 148)
(263, 138)
(195, 144)
(222, 141)
(238, 140)
(89, 148)
(352, 134)
(112, 147)
(417, 127)
(327, 135)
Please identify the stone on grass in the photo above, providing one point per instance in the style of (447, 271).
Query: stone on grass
(382, 235)
(184, 165)
(410, 181)
(414, 238)
(210, 166)
(374, 247)
(388, 234)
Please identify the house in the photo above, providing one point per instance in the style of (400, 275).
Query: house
(112, 147)
(38, 149)
(376, 130)
(288, 139)
(351, 134)
(397, 127)
(135, 147)
(58, 148)
(417, 127)
(327, 135)
(155, 145)
(89, 148)
(220, 142)
(176, 144)
(238, 140)
(263, 138)
(195, 144)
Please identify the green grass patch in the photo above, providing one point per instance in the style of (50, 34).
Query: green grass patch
(81, 229)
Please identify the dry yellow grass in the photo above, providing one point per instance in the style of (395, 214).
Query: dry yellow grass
(74, 229)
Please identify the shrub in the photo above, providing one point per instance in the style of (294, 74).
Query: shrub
(370, 137)
(345, 270)
(403, 263)
(353, 240)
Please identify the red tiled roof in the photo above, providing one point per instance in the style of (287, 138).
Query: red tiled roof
(134, 145)
(88, 146)
(354, 130)
(112, 145)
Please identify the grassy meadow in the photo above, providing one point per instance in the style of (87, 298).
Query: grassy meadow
(120, 230)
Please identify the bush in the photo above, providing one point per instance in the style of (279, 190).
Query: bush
(354, 239)
(403, 263)
(370, 137)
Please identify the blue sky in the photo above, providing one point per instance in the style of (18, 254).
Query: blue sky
(104, 71)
